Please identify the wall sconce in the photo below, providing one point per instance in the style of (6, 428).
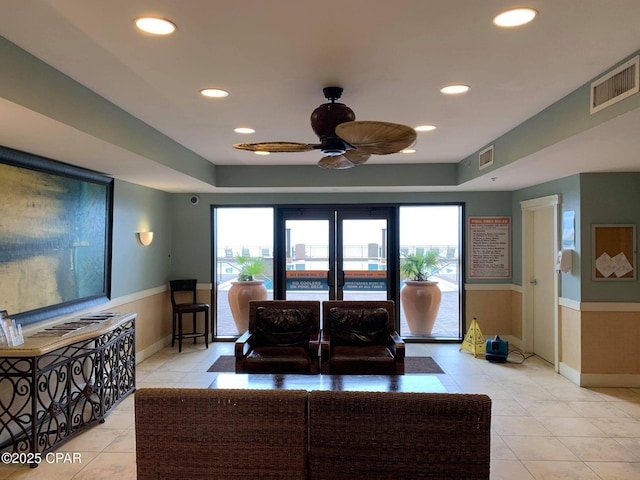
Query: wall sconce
(145, 238)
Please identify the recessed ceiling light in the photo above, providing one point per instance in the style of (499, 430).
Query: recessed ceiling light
(408, 150)
(454, 89)
(515, 17)
(156, 26)
(425, 128)
(244, 130)
(214, 93)
(262, 152)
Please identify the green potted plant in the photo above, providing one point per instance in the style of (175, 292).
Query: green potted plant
(420, 297)
(249, 267)
(246, 288)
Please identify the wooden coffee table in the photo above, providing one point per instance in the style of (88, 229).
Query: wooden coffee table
(369, 383)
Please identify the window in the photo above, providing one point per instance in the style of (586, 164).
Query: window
(433, 230)
(246, 232)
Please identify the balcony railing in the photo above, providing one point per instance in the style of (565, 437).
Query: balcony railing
(316, 252)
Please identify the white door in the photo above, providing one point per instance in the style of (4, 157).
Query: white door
(540, 282)
(543, 281)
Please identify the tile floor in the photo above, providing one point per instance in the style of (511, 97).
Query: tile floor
(544, 426)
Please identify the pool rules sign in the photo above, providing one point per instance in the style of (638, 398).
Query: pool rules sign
(489, 247)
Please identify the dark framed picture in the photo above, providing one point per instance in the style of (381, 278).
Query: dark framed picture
(55, 236)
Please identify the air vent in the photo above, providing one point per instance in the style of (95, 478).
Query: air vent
(485, 158)
(615, 86)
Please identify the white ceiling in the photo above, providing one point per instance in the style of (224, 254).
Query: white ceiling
(275, 56)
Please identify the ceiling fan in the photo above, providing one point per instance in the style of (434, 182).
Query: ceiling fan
(344, 141)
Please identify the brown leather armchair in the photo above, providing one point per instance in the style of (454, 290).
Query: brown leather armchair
(359, 337)
(283, 337)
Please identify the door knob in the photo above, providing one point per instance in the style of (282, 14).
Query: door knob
(533, 282)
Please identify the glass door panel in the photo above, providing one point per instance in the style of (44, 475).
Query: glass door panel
(362, 257)
(333, 253)
(307, 257)
(239, 232)
(432, 230)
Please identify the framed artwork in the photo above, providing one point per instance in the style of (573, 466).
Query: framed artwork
(614, 252)
(55, 236)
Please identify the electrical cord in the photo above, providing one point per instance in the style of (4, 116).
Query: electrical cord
(525, 356)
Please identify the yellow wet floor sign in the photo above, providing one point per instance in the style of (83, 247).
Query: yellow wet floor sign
(474, 340)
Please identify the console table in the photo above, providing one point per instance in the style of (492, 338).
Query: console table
(63, 379)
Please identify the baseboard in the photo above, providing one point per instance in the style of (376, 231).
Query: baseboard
(609, 380)
(142, 355)
(615, 380)
(569, 373)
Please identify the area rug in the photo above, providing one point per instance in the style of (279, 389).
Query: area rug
(226, 363)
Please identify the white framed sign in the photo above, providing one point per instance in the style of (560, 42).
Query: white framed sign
(489, 247)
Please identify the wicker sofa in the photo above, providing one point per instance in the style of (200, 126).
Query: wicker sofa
(291, 434)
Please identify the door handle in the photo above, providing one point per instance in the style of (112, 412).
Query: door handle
(341, 278)
(330, 279)
(533, 282)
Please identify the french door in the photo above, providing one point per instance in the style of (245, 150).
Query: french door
(335, 253)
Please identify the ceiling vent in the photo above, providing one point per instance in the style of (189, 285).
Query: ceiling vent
(485, 158)
(615, 86)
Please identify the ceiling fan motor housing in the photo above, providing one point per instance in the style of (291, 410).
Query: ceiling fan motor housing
(324, 120)
(328, 116)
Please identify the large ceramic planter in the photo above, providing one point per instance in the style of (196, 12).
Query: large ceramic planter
(420, 302)
(240, 294)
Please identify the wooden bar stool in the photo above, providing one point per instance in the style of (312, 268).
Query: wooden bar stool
(179, 307)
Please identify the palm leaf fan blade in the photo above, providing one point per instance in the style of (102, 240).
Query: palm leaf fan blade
(377, 138)
(339, 162)
(357, 157)
(274, 147)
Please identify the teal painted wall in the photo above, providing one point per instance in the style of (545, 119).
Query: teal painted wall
(134, 267)
(608, 198)
(595, 198)
(569, 190)
(182, 232)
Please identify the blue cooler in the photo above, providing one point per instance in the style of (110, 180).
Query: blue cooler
(496, 350)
